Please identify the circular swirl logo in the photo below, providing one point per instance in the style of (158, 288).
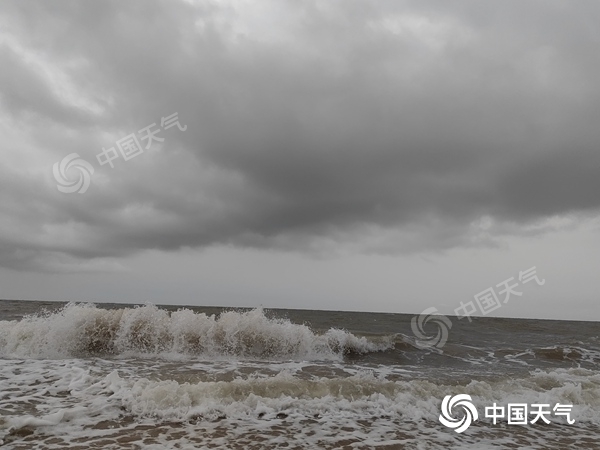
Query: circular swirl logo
(64, 183)
(446, 417)
(418, 328)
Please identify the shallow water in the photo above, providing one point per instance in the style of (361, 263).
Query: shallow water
(119, 376)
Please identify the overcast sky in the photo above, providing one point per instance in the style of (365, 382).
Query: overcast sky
(347, 155)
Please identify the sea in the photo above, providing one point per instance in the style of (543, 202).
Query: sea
(115, 376)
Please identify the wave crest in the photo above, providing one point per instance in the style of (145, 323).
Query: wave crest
(82, 329)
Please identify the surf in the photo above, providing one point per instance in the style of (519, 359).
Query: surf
(82, 330)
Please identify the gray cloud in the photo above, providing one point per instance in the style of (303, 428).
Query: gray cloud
(388, 127)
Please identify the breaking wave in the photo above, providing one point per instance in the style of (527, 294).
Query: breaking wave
(363, 396)
(284, 392)
(82, 329)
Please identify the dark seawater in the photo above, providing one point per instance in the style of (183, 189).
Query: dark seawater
(157, 377)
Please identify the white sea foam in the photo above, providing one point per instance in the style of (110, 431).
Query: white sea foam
(70, 399)
(69, 394)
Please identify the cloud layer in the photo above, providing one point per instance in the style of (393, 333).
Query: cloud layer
(323, 127)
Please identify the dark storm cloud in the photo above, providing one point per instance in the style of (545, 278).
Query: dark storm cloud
(400, 123)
